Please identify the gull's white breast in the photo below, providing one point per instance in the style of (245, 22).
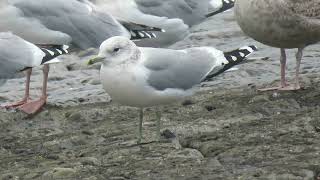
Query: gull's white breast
(128, 86)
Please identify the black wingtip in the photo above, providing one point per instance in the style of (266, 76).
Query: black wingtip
(140, 31)
(53, 51)
(226, 5)
(136, 35)
(234, 57)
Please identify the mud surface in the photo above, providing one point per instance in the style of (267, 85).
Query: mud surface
(227, 130)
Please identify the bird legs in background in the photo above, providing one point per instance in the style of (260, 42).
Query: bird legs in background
(34, 106)
(283, 60)
(158, 114)
(26, 94)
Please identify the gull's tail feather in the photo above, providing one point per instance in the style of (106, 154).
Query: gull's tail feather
(234, 57)
(53, 51)
(139, 31)
(226, 5)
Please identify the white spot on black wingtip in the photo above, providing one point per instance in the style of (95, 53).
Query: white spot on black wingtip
(65, 48)
(154, 35)
(50, 52)
(249, 48)
(228, 1)
(59, 51)
(133, 34)
(147, 34)
(163, 30)
(234, 58)
(242, 55)
(141, 34)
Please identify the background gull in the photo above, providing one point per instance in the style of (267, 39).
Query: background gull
(283, 24)
(18, 55)
(59, 22)
(175, 16)
(144, 77)
(192, 12)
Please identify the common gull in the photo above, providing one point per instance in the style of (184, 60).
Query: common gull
(144, 77)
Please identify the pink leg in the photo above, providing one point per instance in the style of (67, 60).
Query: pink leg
(34, 106)
(26, 94)
(283, 62)
(296, 85)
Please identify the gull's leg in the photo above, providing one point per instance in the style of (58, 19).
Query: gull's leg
(158, 114)
(140, 125)
(34, 106)
(26, 93)
(283, 62)
(296, 85)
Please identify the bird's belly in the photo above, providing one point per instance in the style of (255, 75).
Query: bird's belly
(129, 88)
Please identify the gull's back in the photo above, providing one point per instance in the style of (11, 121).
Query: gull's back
(283, 24)
(191, 11)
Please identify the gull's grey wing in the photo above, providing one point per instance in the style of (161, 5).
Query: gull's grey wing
(190, 11)
(179, 69)
(16, 55)
(86, 27)
(12, 19)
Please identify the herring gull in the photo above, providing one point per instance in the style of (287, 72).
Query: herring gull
(284, 24)
(174, 16)
(18, 55)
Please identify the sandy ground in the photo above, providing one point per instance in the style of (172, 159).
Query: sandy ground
(225, 131)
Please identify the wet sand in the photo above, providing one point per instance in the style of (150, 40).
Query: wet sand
(227, 130)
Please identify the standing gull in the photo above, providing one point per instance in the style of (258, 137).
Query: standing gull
(284, 24)
(18, 55)
(144, 77)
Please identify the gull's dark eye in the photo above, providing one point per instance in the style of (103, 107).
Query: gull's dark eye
(116, 49)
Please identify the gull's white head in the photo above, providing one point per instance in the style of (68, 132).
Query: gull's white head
(117, 50)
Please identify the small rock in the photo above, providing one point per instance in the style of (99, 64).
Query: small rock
(259, 98)
(6, 176)
(187, 153)
(168, 134)
(209, 108)
(60, 173)
(91, 161)
(187, 102)
(91, 178)
(31, 176)
(88, 132)
(77, 117)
